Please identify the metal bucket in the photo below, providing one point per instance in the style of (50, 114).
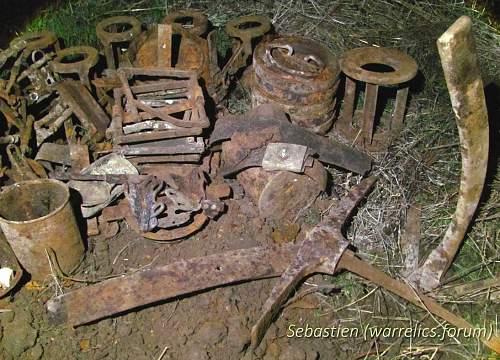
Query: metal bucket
(38, 221)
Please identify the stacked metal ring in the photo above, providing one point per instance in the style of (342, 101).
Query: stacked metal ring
(301, 76)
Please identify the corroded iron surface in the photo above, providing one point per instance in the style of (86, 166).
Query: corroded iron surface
(299, 75)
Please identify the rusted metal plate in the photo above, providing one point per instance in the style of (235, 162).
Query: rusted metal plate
(85, 107)
(286, 193)
(270, 116)
(55, 153)
(354, 64)
(172, 146)
(463, 78)
(286, 157)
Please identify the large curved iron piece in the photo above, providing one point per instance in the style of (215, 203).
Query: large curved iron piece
(458, 56)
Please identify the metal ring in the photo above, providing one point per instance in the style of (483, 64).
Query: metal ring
(290, 52)
(90, 58)
(200, 20)
(36, 40)
(234, 27)
(107, 37)
(354, 64)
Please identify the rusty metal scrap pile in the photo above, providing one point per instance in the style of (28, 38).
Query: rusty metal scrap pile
(139, 130)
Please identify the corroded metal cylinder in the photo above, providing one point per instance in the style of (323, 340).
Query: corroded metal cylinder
(301, 76)
(38, 222)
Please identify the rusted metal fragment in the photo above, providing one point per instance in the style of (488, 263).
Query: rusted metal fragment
(188, 145)
(458, 57)
(85, 107)
(9, 139)
(8, 259)
(268, 116)
(186, 158)
(110, 164)
(285, 194)
(50, 123)
(373, 128)
(22, 168)
(410, 239)
(164, 50)
(168, 281)
(142, 199)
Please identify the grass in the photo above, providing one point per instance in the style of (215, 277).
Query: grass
(422, 167)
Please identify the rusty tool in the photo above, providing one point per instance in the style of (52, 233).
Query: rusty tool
(142, 199)
(324, 251)
(458, 57)
(373, 128)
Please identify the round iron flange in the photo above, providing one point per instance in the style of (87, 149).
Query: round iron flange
(248, 27)
(131, 28)
(37, 40)
(198, 20)
(76, 59)
(380, 66)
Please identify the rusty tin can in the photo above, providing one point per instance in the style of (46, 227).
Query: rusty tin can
(38, 222)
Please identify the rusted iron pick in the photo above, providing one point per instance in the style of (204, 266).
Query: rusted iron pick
(322, 249)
